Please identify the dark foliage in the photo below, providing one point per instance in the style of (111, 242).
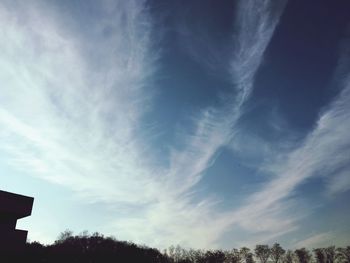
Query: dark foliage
(88, 249)
(303, 255)
(262, 252)
(85, 248)
(276, 253)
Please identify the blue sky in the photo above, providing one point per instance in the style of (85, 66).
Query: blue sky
(201, 123)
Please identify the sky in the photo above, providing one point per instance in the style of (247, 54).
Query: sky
(208, 124)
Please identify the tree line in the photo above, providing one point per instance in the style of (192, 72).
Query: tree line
(91, 248)
(260, 254)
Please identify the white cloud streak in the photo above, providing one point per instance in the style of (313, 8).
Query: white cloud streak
(61, 116)
(68, 118)
(71, 113)
(188, 223)
(318, 240)
(324, 152)
(214, 126)
(254, 27)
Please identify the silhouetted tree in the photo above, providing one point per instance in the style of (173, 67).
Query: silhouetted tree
(250, 258)
(343, 254)
(193, 255)
(35, 252)
(262, 252)
(330, 253)
(245, 254)
(325, 255)
(214, 256)
(177, 253)
(86, 248)
(233, 256)
(97, 248)
(289, 257)
(320, 255)
(276, 253)
(63, 236)
(303, 255)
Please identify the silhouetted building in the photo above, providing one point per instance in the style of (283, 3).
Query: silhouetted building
(12, 208)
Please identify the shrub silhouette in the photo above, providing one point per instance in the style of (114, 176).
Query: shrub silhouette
(88, 249)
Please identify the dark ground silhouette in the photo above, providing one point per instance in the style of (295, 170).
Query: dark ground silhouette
(91, 248)
(96, 248)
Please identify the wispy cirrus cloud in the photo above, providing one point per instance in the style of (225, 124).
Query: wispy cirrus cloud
(252, 34)
(318, 240)
(68, 127)
(324, 152)
(215, 127)
(79, 123)
(212, 130)
(71, 109)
